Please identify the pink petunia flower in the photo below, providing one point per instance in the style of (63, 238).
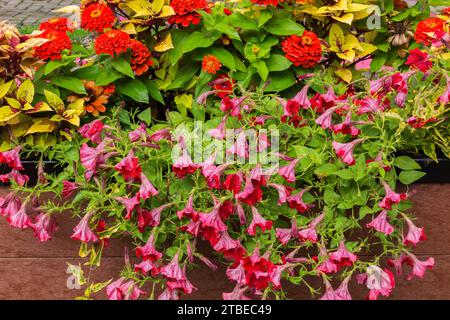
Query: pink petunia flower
(283, 192)
(44, 227)
(345, 150)
(220, 131)
(147, 189)
(12, 158)
(129, 167)
(381, 224)
(414, 235)
(326, 119)
(378, 281)
(68, 189)
(391, 197)
(20, 218)
(188, 211)
(83, 232)
(148, 251)
(173, 270)
(288, 172)
(343, 257)
(238, 293)
(258, 221)
(419, 59)
(418, 267)
(130, 204)
(296, 202)
(92, 131)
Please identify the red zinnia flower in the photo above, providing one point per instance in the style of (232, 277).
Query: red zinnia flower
(267, 2)
(419, 60)
(186, 11)
(113, 42)
(60, 24)
(211, 64)
(97, 17)
(427, 27)
(58, 41)
(141, 58)
(305, 51)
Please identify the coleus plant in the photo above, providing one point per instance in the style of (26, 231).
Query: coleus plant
(327, 207)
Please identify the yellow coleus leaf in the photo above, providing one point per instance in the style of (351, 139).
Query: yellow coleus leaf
(41, 126)
(185, 100)
(39, 107)
(54, 101)
(341, 5)
(4, 88)
(141, 8)
(20, 129)
(157, 5)
(345, 74)
(6, 114)
(14, 103)
(337, 38)
(367, 48)
(166, 11)
(165, 44)
(25, 93)
(346, 18)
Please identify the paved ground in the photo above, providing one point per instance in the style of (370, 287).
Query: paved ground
(23, 12)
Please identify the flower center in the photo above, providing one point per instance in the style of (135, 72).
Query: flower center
(96, 13)
(306, 40)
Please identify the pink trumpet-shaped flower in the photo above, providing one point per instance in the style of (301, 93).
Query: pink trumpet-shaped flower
(347, 127)
(381, 224)
(258, 221)
(9, 205)
(343, 257)
(140, 134)
(283, 192)
(397, 263)
(418, 267)
(44, 227)
(213, 219)
(345, 150)
(284, 235)
(188, 211)
(184, 166)
(237, 274)
(288, 172)
(378, 281)
(20, 218)
(296, 202)
(130, 204)
(145, 267)
(147, 189)
(169, 295)
(155, 215)
(173, 270)
(163, 134)
(92, 131)
(240, 147)
(302, 98)
(220, 131)
(68, 188)
(326, 119)
(114, 290)
(342, 292)
(238, 293)
(148, 251)
(310, 233)
(131, 291)
(391, 197)
(414, 235)
(183, 285)
(16, 176)
(329, 294)
(12, 158)
(83, 232)
(129, 167)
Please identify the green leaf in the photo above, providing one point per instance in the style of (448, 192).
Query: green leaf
(278, 62)
(378, 61)
(146, 116)
(134, 89)
(123, 66)
(69, 83)
(185, 74)
(282, 26)
(153, 90)
(265, 16)
(261, 67)
(228, 30)
(401, 16)
(345, 174)
(105, 78)
(406, 163)
(408, 177)
(364, 211)
(280, 81)
(239, 20)
(325, 170)
(55, 64)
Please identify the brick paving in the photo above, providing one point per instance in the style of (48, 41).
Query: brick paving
(29, 12)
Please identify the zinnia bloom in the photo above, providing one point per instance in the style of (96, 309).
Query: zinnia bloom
(97, 17)
(60, 24)
(186, 11)
(141, 57)
(304, 51)
(58, 41)
(211, 64)
(427, 27)
(96, 99)
(267, 2)
(419, 59)
(113, 42)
